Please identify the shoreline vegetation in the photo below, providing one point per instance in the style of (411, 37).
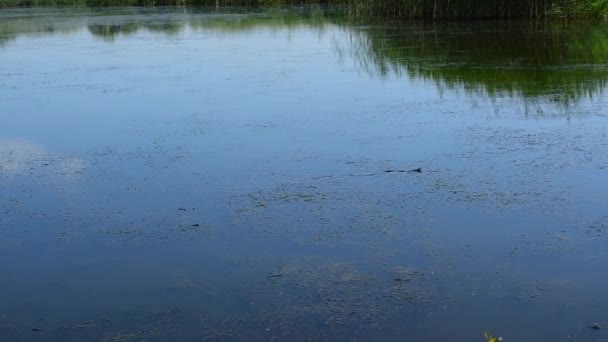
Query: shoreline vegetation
(385, 9)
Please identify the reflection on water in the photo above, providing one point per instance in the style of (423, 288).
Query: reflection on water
(557, 61)
(561, 62)
(215, 175)
(20, 157)
(15, 156)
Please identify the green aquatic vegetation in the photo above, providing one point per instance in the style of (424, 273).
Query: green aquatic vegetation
(337, 298)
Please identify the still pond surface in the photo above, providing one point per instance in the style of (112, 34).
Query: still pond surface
(220, 175)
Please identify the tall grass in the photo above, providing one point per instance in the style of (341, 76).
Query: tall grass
(382, 9)
(475, 9)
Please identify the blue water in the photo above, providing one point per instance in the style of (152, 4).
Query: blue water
(200, 174)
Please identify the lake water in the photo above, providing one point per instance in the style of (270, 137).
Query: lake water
(220, 175)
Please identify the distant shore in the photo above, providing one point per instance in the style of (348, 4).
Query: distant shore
(373, 9)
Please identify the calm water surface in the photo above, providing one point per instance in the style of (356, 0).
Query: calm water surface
(207, 174)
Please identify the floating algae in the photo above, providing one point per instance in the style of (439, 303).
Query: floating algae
(331, 301)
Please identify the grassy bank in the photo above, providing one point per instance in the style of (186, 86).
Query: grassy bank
(476, 9)
(429, 9)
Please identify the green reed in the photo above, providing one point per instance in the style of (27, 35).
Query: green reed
(375, 9)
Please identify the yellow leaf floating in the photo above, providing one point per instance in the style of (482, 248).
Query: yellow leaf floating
(490, 338)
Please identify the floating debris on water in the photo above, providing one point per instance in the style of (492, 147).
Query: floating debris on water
(274, 276)
(490, 338)
(418, 170)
